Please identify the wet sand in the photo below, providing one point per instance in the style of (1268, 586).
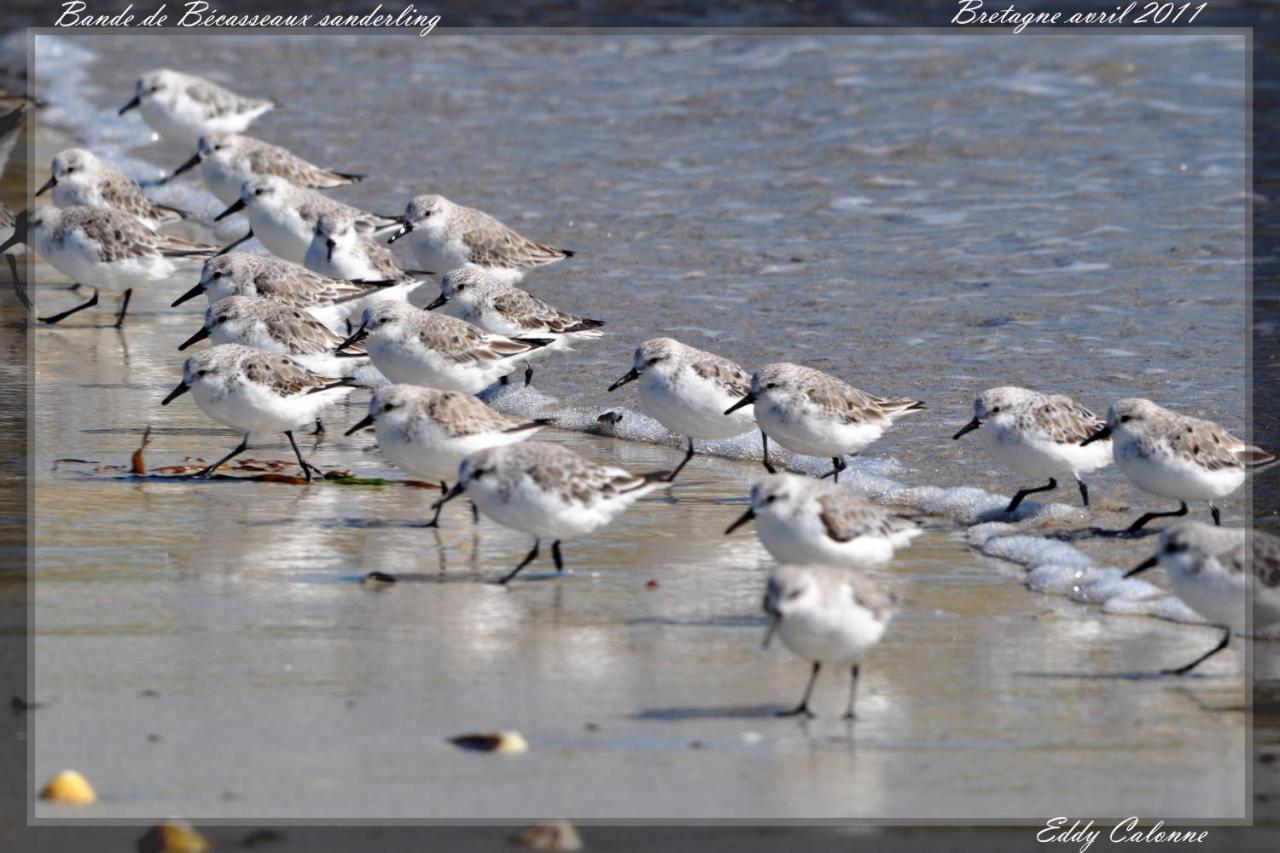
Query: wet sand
(227, 620)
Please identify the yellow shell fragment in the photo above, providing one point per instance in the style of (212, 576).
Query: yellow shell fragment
(556, 835)
(173, 837)
(69, 788)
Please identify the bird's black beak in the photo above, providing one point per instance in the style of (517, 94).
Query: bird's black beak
(967, 428)
(234, 208)
(194, 339)
(630, 376)
(187, 166)
(359, 335)
(227, 248)
(1142, 567)
(366, 421)
(1100, 435)
(745, 518)
(190, 294)
(135, 101)
(48, 185)
(176, 393)
(404, 229)
(437, 302)
(457, 489)
(328, 249)
(745, 401)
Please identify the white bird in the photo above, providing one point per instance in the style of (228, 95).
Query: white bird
(827, 615)
(242, 274)
(13, 248)
(428, 432)
(227, 160)
(79, 177)
(284, 217)
(339, 250)
(254, 391)
(103, 249)
(687, 391)
(503, 309)
(183, 107)
(810, 412)
(1176, 456)
(801, 520)
(446, 236)
(1038, 435)
(13, 118)
(549, 492)
(1218, 572)
(270, 326)
(418, 347)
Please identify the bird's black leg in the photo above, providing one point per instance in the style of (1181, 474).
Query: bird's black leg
(683, 462)
(124, 308)
(1217, 516)
(58, 318)
(319, 430)
(764, 442)
(556, 555)
(435, 519)
(17, 282)
(475, 513)
(1022, 493)
(1084, 492)
(1183, 670)
(837, 465)
(529, 558)
(803, 707)
(307, 467)
(853, 690)
(240, 448)
(1142, 522)
(528, 374)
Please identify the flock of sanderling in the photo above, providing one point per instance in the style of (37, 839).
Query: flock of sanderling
(289, 331)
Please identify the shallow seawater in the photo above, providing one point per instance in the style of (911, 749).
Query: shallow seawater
(922, 216)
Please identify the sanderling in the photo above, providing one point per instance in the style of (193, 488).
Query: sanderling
(254, 391)
(284, 217)
(242, 274)
(102, 248)
(687, 390)
(1217, 572)
(549, 492)
(447, 236)
(80, 178)
(504, 309)
(339, 250)
(813, 413)
(227, 160)
(418, 347)
(800, 520)
(270, 326)
(13, 248)
(827, 614)
(1176, 456)
(13, 116)
(184, 107)
(1038, 435)
(428, 432)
